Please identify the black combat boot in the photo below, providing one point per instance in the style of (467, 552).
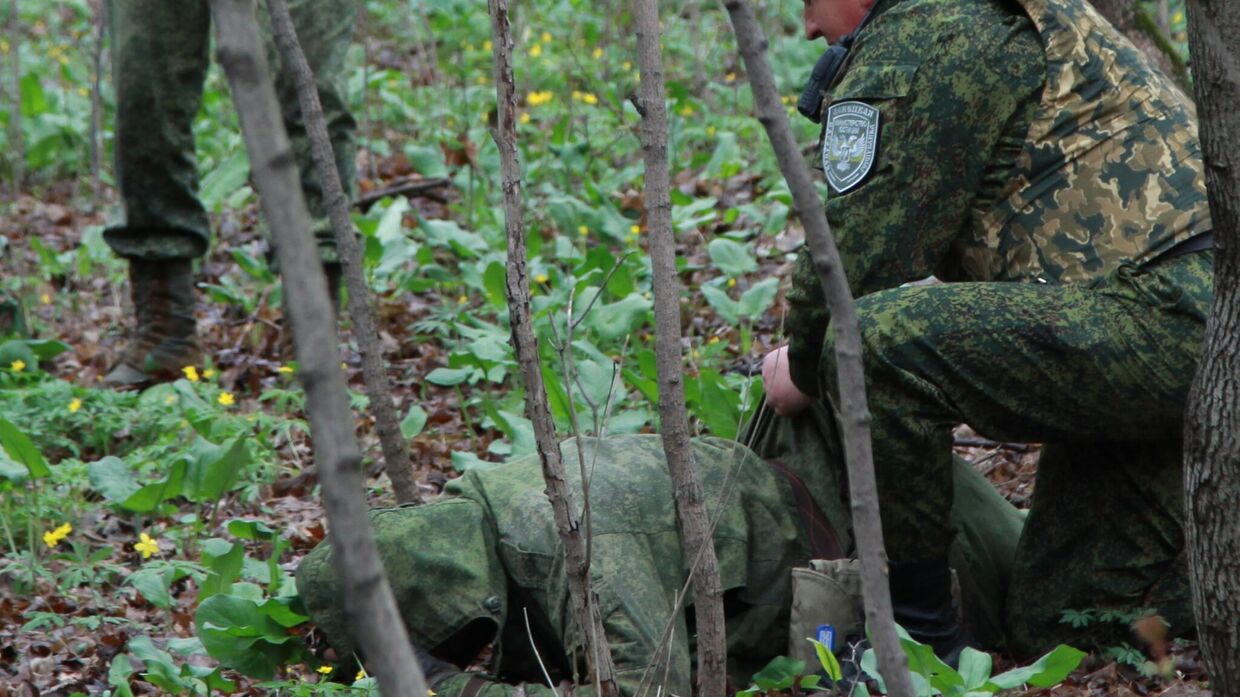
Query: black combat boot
(921, 598)
(164, 338)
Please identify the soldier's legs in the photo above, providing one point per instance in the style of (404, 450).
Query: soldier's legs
(1105, 533)
(159, 61)
(324, 29)
(1019, 362)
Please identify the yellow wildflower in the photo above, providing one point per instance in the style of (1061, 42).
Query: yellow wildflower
(482, 80)
(731, 282)
(713, 340)
(710, 131)
(589, 98)
(17, 366)
(208, 374)
(546, 37)
(635, 229)
(191, 373)
(487, 45)
(51, 538)
(598, 53)
(539, 98)
(284, 369)
(4, 46)
(525, 117)
(540, 278)
(462, 300)
(361, 674)
(583, 230)
(45, 299)
(627, 65)
(535, 50)
(74, 405)
(730, 77)
(325, 670)
(1177, 17)
(686, 110)
(226, 399)
(147, 545)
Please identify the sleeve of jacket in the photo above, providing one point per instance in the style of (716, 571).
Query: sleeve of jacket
(942, 114)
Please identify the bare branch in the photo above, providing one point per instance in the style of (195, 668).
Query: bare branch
(854, 412)
(391, 440)
(584, 608)
(691, 512)
(369, 606)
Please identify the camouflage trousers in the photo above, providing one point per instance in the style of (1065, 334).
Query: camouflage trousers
(1099, 372)
(160, 60)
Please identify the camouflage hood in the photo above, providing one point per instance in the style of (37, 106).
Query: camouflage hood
(450, 540)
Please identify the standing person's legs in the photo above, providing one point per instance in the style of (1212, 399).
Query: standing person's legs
(1017, 362)
(159, 50)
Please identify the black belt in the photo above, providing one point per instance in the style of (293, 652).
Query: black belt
(1196, 243)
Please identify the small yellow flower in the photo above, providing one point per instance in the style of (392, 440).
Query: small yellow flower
(730, 77)
(45, 299)
(546, 37)
(344, 366)
(525, 117)
(83, 91)
(535, 50)
(713, 340)
(635, 229)
(540, 278)
(361, 674)
(1176, 18)
(539, 98)
(430, 692)
(583, 230)
(627, 65)
(51, 538)
(4, 46)
(191, 373)
(482, 80)
(710, 131)
(284, 369)
(208, 374)
(589, 98)
(147, 545)
(731, 282)
(325, 670)
(74, 405)
(17, 366)
(686, 110)
(487, 45)
(462, 300)
(598, 53)
(226, 399)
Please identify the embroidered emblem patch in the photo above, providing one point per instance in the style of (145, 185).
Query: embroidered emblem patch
(849, 144)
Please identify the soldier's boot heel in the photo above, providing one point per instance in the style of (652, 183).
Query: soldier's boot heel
(921, 599)
(164, 338)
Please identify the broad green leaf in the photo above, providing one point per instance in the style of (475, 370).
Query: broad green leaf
(727, 308)
(779, 674)
(149, 497)
(758, 298)
(118, 675)
(252, 530)
(463, 462)
(495, 282)
(152, 582)
(12, 472)
(223, 180)
(732, 258)
(213, 469)
(46, 349)
(414, 422)
(827, 659)
(281, 612)
(224, 560)
(1048, 670)
(22, 450)
(975, 668)
(612, 321)
(447, 377)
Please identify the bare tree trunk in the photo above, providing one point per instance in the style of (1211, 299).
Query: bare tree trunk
(102, 8)
(1212, 426)
(17, 145)
(392, 441)
(369, 606)
(690, 509)
(576, 564)
(854, 414)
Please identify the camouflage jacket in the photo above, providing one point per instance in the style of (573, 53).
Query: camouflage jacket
(1007, 142)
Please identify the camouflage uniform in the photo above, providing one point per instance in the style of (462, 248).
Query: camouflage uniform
(160, 60)
(485, 560)
(1030, 156)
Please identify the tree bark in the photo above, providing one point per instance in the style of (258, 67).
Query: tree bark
(101, 8)
(391, 440)
(368, 602)
(854, 414)
(1212, 426)
(576, 564)
(695, 527)
(17, 145)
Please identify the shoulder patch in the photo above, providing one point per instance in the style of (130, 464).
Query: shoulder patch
(849, 144)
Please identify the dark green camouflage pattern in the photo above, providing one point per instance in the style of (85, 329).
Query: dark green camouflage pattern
(489, 551)
(160, 59)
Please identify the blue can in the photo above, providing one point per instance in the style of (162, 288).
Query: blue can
(826, 636)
